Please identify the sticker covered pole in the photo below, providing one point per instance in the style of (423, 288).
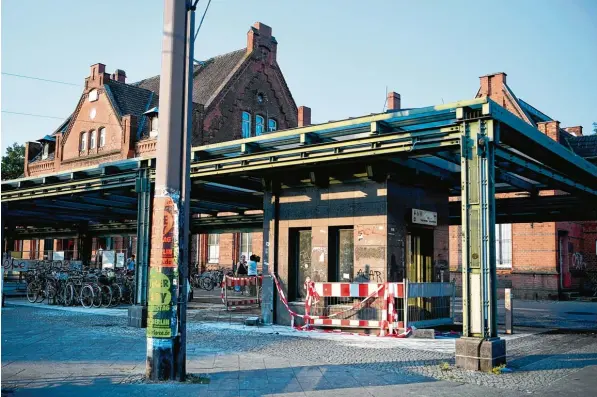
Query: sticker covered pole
(166, 236)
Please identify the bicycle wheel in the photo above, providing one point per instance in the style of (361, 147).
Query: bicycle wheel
(97, 295)
(116, 294)
(87, 296)
(68, 294)
(207, 283)
(51, 293)
(32, 292)
(131, 292)
(106, 296)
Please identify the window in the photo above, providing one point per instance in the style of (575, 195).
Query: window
(272, 125)
(300, 254)
(83, 145)
(154, 126)
(213, 248)
(246, 125)
(260, 98)
(102, 137)
(93, 95)
(46, 151)
(246, 244)
(92, 139)
(503, 246)
(345, 254)
(259, 125)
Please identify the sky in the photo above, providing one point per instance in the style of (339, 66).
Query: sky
(338, 56)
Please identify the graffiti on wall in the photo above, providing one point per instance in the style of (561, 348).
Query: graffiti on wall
(369, 275)
(578, 262)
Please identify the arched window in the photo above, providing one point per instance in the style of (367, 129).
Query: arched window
(259, 125)
(246, 125)
(83, 145)
(92, 139)
(272, 125)
(102, 137)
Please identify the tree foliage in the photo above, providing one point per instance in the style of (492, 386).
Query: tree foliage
(13, 162)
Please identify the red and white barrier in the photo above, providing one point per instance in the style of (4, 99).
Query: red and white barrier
(239, 301)
(388, 324)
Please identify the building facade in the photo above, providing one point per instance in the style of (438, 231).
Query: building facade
(236, 95)
(546, 260)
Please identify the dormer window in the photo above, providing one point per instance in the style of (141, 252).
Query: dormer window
(153, 131)
(259, 125)
(152, 115)
(92, 139)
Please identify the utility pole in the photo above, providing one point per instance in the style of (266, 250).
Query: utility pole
(166, 310)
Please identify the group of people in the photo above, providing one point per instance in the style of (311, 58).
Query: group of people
(244, 268)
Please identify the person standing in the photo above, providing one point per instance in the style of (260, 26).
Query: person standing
(130, 265)
(252, 272)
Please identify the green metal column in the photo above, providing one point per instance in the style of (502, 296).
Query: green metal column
(143, 189)
(479, 294)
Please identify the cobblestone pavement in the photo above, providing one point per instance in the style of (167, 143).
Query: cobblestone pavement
(52, 352)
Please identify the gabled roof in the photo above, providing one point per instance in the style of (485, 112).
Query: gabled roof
(584, 146)
(208, 77)
(130, 99)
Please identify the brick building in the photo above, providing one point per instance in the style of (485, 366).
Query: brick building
(538, 260)
(239, 94)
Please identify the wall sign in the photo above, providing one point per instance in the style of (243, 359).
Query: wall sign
(108, 259)
(120, 259)
(423, 217)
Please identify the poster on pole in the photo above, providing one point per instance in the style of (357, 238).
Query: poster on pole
(108, 259)
(120, 259)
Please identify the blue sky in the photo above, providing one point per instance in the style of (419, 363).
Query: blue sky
(338, 56)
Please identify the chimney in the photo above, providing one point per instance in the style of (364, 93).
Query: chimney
(304, 116)
(119, 75)
(550, 128)
(259, 38)
(393, 101)
(576, 131)
(97, 76)
(492, 84)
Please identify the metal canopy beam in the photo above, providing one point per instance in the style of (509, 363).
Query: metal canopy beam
(529, 140)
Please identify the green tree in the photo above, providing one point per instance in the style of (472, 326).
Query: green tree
(14, 162)
(594, 128)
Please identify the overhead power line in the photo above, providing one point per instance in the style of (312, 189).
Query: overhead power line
(58, 118)
(201, 22)
(40, 79)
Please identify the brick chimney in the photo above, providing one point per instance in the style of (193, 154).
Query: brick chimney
(261, 41)
(576, 131)
(393, 101)
(119, 75)
(550, 128)
(492, 85)
(304, 116)
(97, 76)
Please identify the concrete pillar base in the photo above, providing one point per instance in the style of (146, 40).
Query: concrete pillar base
(478, 354)
(138, 316)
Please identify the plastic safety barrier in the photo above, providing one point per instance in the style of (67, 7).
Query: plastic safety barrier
(249, 288)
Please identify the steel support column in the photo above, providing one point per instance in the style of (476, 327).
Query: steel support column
(271, 214)
(84, 243)
(479, 348)
(143, 190)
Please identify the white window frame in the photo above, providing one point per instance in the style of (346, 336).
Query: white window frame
(503, 246)
(83, 142)
(92, 139)
(246, 239)
(102, 137)
(259, 125)
(213, 248)
(269, 125)
(154, 126)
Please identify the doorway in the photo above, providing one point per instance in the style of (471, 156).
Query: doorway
(419, 268)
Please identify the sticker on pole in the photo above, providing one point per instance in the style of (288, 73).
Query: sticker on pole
(161, 313)
(164, 235)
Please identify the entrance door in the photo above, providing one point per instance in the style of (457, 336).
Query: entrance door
(419, 268)
(419, 255)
